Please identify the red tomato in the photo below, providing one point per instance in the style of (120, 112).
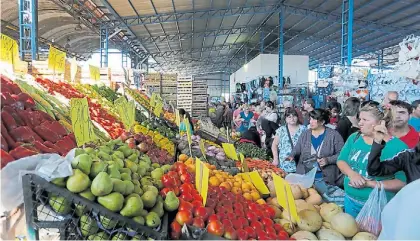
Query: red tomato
(237, 224)
(278, 227)
(201, 212)
(261, 235)
(197, 203)
(185, 206)
(227, 223)
(198, 222)
(283, 235)
(213, 217)
(211, 203)
(238, 206)
(175, 230)
(259, 214)
(172, 174)
(239, 213)
(186, 187)
(176, 191)
(253, 207)
(251, 232)
(242, 234)
(231, 216)
(165, 191)
(266, 222)
(197, 197)
(230, 233)
(270, 211)
(244, 221)
(184, 217)
(251, 217)
(186, 197)
(215, 228)
(270, 230)
(256, 225)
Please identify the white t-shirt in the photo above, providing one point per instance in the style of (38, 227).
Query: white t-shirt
(401, 216)
(271, 116)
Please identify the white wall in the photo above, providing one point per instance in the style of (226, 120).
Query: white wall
(295, 66)
(217, 84)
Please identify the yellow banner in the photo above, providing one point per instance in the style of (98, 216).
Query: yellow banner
(153, 100)
(259, 182)
(95, 73)
(285, 197)
(56, 60)
(80, 121)
(158, 109)
(177, 118)
(202, 174)
(230, 151)
(9, 50)
(126, 110)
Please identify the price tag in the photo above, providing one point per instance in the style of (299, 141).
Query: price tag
(73, 69)
(202, 148)
(126, 111)
(56, 60)
(177, 118)
(259, 182)
(9, 47)
(285, 197)
(80, 121)
(153, 100)
(202, 174)
(244, 163)
(95, 73)
(158, 109)
(230, 151)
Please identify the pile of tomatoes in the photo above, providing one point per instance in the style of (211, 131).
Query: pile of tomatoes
(225, 214)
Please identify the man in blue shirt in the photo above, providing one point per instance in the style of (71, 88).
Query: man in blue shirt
(415, 116)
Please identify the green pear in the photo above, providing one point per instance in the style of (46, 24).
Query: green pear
(99, 236)
(114, 172)
(118, 185)
(149, 199)
(78, 182)
(119, 163)
(144, 213)
(129, 187)
(151, 188)
(132, 207)
(60, 204)
(125, 170)
(166, 168)
(80, 208)
(158, 208)
(171, 202)
(158, 184)
(152, 220)
(135, 177)
(138, 237)
(133, 157)
(118, 154)
(131, 165)
(145, 158)
(135, 182)
(138, 190)
(155, 165)
(144, 165)
(79, 151)
(88, 225)
(139, 219)
(108, 223)
(89, 150)
(125, 176)
(157, 173)
(98, 167)
(82, 162)
(132, 195)
(113, 201)
(126, 150)
(88, 195)
(141, 171)
(120, 236)
(104, 156)
(105, 149)
(101, 185)
(61, 181)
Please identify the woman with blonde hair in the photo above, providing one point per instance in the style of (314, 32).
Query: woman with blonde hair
(246, 118)
(353, 161)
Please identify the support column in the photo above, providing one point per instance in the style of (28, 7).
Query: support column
(124, 58)
(262, 36)
(350, 33)
(28, 28)
(281, 48)
(381, 59)
(347, 32)
(104, 47)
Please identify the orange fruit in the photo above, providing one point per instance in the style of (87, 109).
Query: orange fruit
(246, 187)
(236, 190)
(247, 196)
(214, 181)
(212, 167)
(255, 195)
(190, 160)
(226, 185)
(237, 184)
(191, 168)
(261, 201)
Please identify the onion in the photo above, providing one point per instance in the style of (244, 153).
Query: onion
(210, 154)
(211, 148)
(220, 158)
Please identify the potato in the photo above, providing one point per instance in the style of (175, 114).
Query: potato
(273, 201)
(288, 226)
(318, 208)
(312, 191)
(329, 210)
(297, 193)
(304, 235)
(345, 224)
(270, 186)
(326, 225)
(329, 234)
(364, 236)
(302, 205)
(309, 220)
(304, 191)
(314, 199)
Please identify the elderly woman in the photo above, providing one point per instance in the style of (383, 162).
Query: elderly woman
(245, 118)
(319, 147)
(285, 139)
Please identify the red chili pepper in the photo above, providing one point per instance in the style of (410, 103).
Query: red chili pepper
(4, 145)
(10, 142)
(43, 148)
(5, 158)
(8, 120)
(46, 134)
(10, 110)
(22, 151)
(25, 134)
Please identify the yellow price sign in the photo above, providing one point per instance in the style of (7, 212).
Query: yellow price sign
(95, 73)
(153, 100)
(230, 151)
(177, 118)
(56, 60)
(126, 110)
(259, 182)
(80, 121)
(285, 197)
(9, 50)
(202, 174)
(202, 148)
(158, 109)
(244, 163)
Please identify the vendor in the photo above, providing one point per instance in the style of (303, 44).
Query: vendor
(184, 114)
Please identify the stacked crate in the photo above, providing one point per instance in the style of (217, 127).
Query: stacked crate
(40, 69)
(67, 73)
(169, 87)
(151, 83)
(184, 93)
(105, 77)
(199, 99)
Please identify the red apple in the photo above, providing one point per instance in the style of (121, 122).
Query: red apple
(198, 222)
(242, 234)
(251, 232)
(230, 233)
(215, 228)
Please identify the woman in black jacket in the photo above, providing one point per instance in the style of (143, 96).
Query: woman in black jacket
(348, 123)
(407, 160)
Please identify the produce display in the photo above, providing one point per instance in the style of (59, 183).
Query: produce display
(98, 114)
(264, 168)
(120, 179)
(251, 150)
(26, 131)
(106, 92)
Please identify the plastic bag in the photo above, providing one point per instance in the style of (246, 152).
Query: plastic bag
(48, 166)
(306, 180)
(369, 218)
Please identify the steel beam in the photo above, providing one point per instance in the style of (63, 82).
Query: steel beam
(194, 50)
(104, 47)
(28, 28)
(281, 49)
(350, 33)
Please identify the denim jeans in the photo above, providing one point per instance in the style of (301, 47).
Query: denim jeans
(352, 206)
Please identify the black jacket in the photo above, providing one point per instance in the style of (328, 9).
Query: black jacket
(345, 128)
(407, 161)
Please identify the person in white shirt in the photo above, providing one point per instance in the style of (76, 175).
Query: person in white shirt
(269, 113)
(401, 216)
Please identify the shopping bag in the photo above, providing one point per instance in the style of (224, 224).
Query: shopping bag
(369, 218)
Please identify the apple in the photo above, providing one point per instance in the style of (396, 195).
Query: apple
(230, 233)
(215, 228)
(242, 234)
(237, 224)
(251, 232)
(198, 222)
(201, 212)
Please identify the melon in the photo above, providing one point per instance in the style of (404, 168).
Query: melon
(329, 210)
(309, 220)
(329, 234)
(304, 235)
(345, 224)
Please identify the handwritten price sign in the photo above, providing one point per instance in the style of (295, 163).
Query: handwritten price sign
(95, 73)
(9, 52)
(80, 121)
(126, 110)
(56, 60)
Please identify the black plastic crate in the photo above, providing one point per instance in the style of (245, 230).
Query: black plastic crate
(70, 226)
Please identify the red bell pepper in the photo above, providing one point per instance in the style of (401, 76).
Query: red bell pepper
(52, 146)
(25, 134)
(56, 127)
(10, 110)
(43, 148)
(6, 99)
(5, 134)
(8, 120)
(46, 134)
(66, 144)
(4, 145)
(5, 158)
(22, 151)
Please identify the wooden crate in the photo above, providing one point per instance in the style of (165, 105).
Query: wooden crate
(40, 68)
(185, 79)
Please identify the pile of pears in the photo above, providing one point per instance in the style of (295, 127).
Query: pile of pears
(121, 180)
